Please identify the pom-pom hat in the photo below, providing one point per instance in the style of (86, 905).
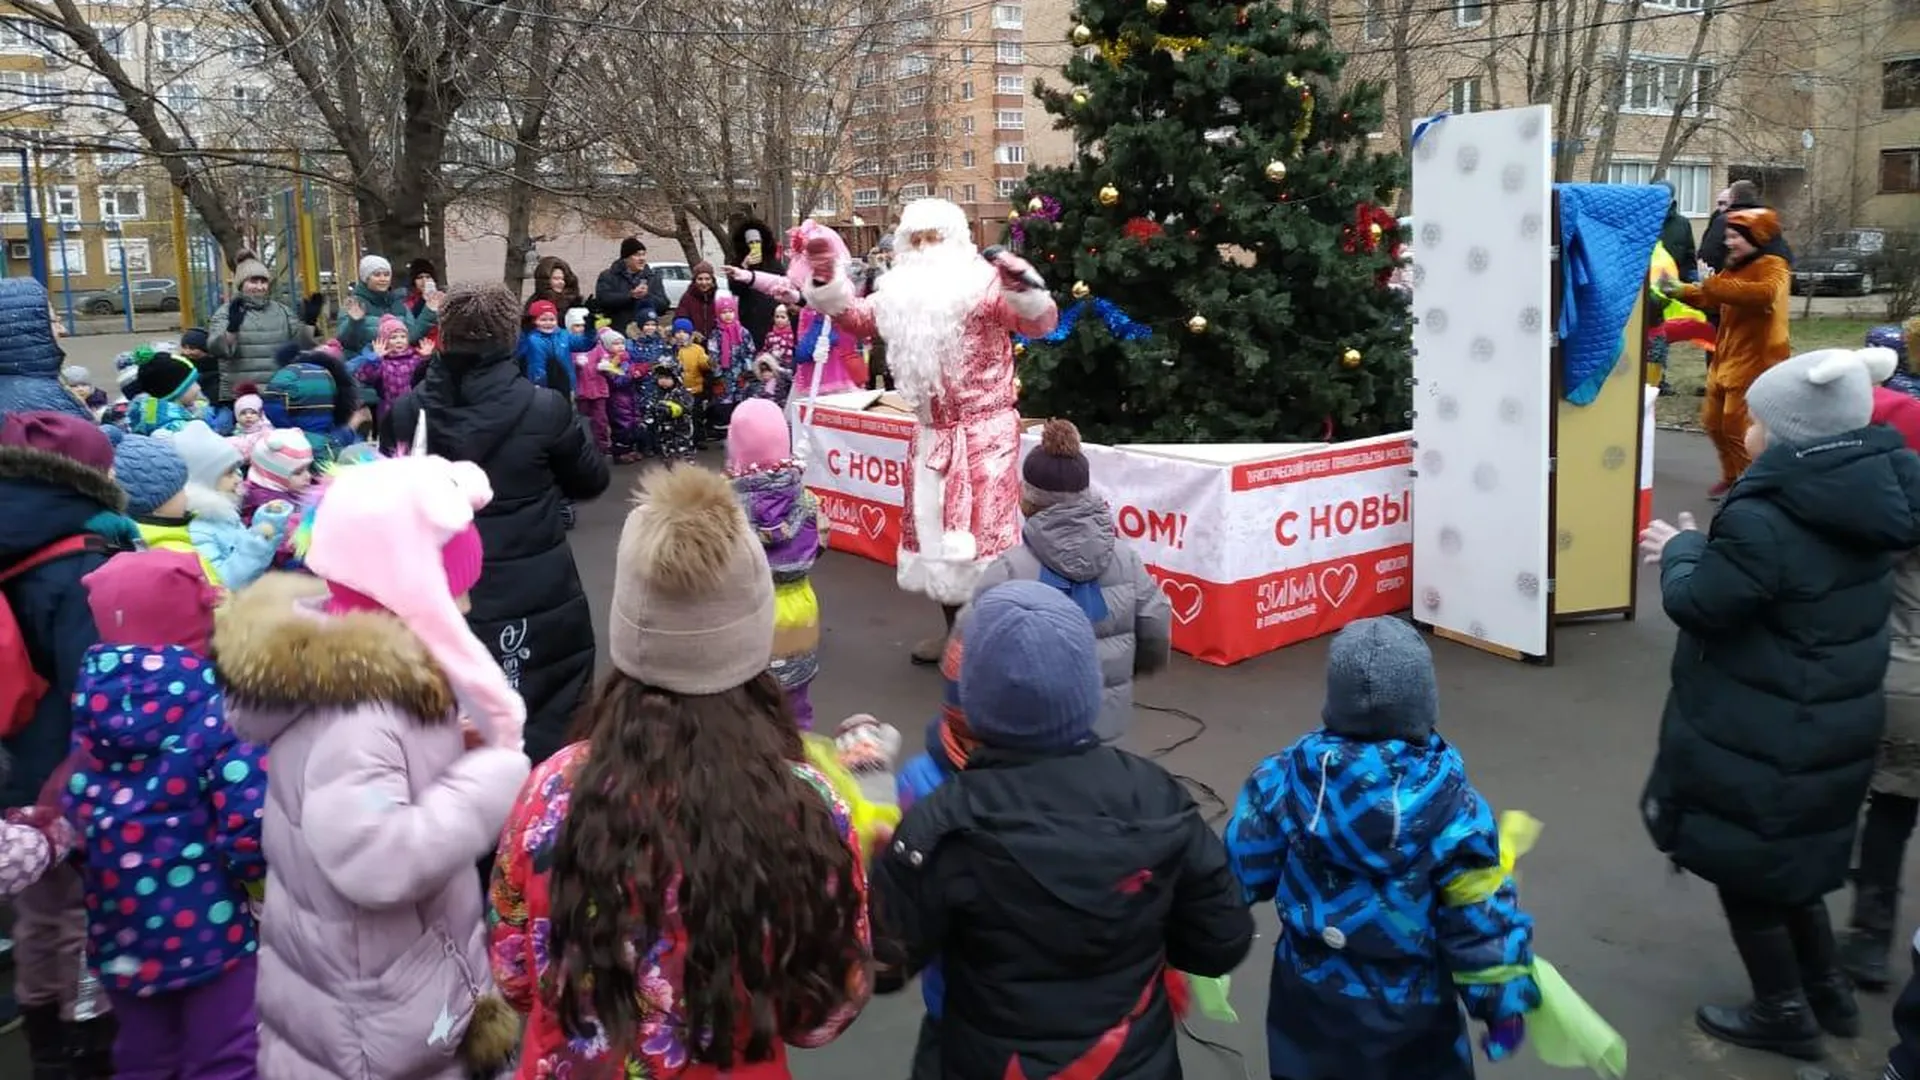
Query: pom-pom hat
(1056, 469)
(1820, 394)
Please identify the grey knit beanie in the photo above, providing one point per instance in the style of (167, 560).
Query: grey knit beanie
(1820, 394)
(1380, 683)
(1030, 673)
(479, 316)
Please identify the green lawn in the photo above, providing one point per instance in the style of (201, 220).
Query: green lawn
(1687, 368)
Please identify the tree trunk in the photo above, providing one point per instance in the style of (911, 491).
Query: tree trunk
(1610, 101)
(683, 234)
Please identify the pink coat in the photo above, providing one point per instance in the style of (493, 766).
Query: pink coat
(589, 382)
(373, 948)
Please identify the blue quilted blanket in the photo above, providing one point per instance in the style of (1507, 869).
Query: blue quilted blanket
(1607, 233)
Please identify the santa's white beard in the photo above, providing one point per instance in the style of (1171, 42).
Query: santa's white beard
(920, 307)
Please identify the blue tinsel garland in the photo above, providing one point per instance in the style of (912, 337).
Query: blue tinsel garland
(1117, 322)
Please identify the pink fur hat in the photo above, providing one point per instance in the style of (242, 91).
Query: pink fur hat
(382, 533)
(799, 270)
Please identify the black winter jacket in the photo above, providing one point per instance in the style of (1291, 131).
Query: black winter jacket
(49, 498)
(529, 607)
(1767, 742)
(1056, 891)
(613, 295)
(1713, 240)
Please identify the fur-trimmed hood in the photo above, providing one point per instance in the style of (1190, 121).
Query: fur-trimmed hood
(282, 657)
(24, 463)
(209, 505)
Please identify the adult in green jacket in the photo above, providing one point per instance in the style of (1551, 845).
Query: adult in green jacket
(257, 326)
(374, 296)
(1768, 739)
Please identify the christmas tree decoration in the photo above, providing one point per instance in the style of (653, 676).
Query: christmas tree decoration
(1012, 215)
(1119, 326)
(1080, 98)
(1156, 8)
(1082, 34)
(1034, 205)
(1081, 291)
(1239, 277)
(1350, 359)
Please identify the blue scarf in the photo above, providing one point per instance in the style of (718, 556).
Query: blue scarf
(1086, 595)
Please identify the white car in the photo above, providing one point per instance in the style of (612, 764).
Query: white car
(678, 275)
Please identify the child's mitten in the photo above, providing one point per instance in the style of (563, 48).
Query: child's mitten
(1503, 1038)
(273, 517)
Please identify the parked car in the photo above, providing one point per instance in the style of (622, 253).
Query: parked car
(678, 275)
(1852, 261)
(149, 294)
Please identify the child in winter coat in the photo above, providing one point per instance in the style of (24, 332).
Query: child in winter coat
(314, 394)
(1102, 872)
(280, 468)
(627, 382)
(670, 418)
(203, 516)
(33, 840)
(361, 682)
(546, 350)
(169, 390)
(1778, 705)
(79, 382)
(171, 803)
(396, 362)
(1384, 865)
(650, 806)
(786, 516)
(591, 372)
(779, 344)
(1069, 544)
(731, 350)
(771, 381)
(250, 423)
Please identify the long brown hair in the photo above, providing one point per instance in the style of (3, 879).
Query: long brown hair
(702, 785)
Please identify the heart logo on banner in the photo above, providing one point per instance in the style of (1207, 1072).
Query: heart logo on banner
(875, 519)
(1337, 583)
(1185, 598)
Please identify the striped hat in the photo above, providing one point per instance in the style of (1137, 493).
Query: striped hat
(278, 456)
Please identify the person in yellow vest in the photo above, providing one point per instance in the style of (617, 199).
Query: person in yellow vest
(1670, 321)
(1751, 296)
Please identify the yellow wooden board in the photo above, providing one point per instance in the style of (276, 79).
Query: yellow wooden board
(1597, 489)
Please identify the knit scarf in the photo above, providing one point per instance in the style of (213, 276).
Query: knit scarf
(732, 336)
(1086, 595)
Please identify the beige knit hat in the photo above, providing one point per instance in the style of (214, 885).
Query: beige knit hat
(692, 595)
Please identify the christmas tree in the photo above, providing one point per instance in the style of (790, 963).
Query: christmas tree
(1221, 245)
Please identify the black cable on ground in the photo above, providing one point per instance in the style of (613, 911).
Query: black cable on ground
(1201, 789)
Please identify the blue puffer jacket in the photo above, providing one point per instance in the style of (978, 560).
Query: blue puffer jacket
(29, 357)
(171, 802)
(1356, 844)
(546, 357)
(49, 498)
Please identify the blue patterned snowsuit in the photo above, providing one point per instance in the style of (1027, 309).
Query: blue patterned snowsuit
(1355, 842)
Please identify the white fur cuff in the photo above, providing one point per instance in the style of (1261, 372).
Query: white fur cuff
(1028, 303)
(958, 546)
(833, 298)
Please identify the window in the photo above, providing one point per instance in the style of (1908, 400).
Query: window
(27, 90)
(1009, 17)
(138, 255)
(1900, 84)
(114, 161)
(914, 64)
(868, 74)
(183, 98)
(176, 46)
(966, 159)
(1007, 187)
(13, 203)
(1372, 26)
(248, 99)
(248, 50)
(913, 95)
(826, 202)
(1010, 120)
(865, 136)
(1009, 52)
(866, 196)
(1658, 86)
(966, 90)
(1469, 12)
(948, 194)
(967, 194)
(1692, 184)
(946, 129)
(1463, 95)
(58, 162)
(966, 20)
(123, 203)
(113, 39)
(1899, 172)
(966, 56)
(1009, 84)
(866, 167)
(914, 191)
(1677, 5)
(22, 37)
(99, 94)
(919, 161)
(966, 125)
(1010, 154)
(68, 258)
(63, 202)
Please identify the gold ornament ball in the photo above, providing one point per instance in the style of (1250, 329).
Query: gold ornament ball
(1374, 231)
(1034, 205)
(1019, 349)
(1276, 171)
(1197, 324)
(1080, 290)
(1156, 7)
(1081, 97)
(1109, 195)
(1012, 216)
(1082, 34)
(1350, 358)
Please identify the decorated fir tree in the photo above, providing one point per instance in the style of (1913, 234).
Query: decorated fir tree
(1220, 246)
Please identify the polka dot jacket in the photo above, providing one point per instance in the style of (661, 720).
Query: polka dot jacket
(169, 802)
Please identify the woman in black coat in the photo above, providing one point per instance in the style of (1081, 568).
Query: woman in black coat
(1768, 739)
(755, 247)
(529, 607)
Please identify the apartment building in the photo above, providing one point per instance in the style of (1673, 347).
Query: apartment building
(946, 112)
(1866, 116)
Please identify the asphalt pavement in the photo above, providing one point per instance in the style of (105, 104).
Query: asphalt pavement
(1570, 744)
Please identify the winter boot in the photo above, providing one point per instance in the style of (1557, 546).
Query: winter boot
(1778, 1019)
(928, 653)
(1829, 991)
(1870, 937)
(46, 1041)
(90, 1048)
